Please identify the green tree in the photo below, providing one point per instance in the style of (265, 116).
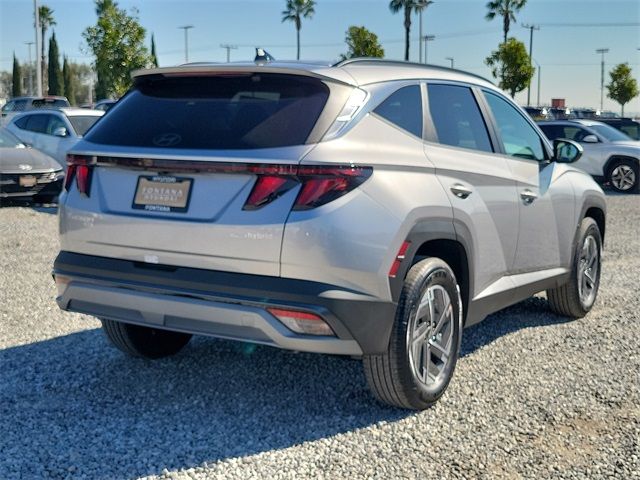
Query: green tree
(69, 84)
(511, 64)
(408, 6)
(56, 87)
(117, 42)
(623, 87)
(362, 43)
(505, 9)
(45, 19)
(295, 11)
(16, 78)
(154, 57)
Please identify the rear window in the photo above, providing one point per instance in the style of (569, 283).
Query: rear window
(49, 103)
(82, 123)
(233, 111)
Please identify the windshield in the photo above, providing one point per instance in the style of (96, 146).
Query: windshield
(232, 111)
(82, 123)
(7, 140)
(610, 133)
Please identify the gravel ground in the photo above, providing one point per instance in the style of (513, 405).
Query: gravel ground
(534, 396)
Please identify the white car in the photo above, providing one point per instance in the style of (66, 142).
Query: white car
(609, 155)
(53, 132)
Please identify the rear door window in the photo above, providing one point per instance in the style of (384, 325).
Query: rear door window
(403, 108)
(226, 111)
(38, 123)
(457, 118)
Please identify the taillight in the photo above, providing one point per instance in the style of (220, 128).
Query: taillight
(320, 184)
(80, 167)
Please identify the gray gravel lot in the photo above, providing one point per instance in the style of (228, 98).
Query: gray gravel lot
(534, 396)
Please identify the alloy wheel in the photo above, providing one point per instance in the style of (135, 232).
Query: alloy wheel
(623, 177)
(588, 271)
(431, 336)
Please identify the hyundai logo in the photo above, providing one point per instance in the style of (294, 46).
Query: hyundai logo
(167, 139)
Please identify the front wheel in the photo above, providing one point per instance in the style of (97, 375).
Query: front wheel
(576, 297)
(424, 346)
(624, 176)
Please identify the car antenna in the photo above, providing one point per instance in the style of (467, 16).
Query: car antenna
(262, 56)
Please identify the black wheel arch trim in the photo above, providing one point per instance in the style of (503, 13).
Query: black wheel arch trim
(608, 166)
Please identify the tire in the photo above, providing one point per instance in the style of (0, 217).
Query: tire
(144, 342)
(574, 299)
(45, 198)
(396, 377)
(624, 176)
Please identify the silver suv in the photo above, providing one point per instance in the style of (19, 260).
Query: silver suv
(369, 208)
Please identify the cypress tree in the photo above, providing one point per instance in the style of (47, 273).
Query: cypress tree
(16, 78)
(67, 76)
(56, 86)
(154, 58)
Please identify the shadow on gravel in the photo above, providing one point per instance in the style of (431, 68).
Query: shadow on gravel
(51, 208)
(73, 406)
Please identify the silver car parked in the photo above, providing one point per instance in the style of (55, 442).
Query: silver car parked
(609, 155)
(369, 208)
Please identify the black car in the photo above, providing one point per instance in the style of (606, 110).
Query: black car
(625, 125)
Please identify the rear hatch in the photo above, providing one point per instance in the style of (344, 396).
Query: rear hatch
(196, 169)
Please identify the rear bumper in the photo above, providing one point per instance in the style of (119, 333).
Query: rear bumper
(222, 304)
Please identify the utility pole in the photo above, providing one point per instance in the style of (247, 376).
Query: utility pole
(228, 48)
(602, 51)
(37, 43)
(186, 41)
(450, 59)
(531, 29)
(30, 74)
(539, 75)
(427, 38)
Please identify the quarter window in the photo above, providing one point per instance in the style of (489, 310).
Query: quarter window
(519, 138)
(403, 108)
(457, 118)
(38, 123)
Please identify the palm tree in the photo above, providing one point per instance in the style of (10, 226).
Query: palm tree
(409, 6)
(45, 18)
(294, 12)
(505, 9)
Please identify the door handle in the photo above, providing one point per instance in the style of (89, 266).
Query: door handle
(460, 190)
(528, 197)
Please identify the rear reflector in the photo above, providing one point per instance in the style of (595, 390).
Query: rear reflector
(302, 322)
(395, 266)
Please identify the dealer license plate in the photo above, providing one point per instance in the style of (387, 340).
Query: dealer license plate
(162, 193)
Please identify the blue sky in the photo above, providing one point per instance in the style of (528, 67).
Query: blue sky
(570, 66)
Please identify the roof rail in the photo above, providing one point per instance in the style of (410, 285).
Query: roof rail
(382, 61)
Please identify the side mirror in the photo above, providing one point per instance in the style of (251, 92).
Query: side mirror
(590, 139)
(60, 132)
(566, 151)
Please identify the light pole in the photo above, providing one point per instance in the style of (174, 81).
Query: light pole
(186, 41)
(427, 38)
(531, 29)
(602, 51)
(228, 48)
(30, 74)
(38, 49)
(421, 6)
(450, 59)
(539, 74)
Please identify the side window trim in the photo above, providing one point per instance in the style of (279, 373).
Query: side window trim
(543, 139)
(489, 120)
(428, 127)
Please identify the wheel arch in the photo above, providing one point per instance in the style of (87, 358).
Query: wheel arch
(608, 166)
(438, 238)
